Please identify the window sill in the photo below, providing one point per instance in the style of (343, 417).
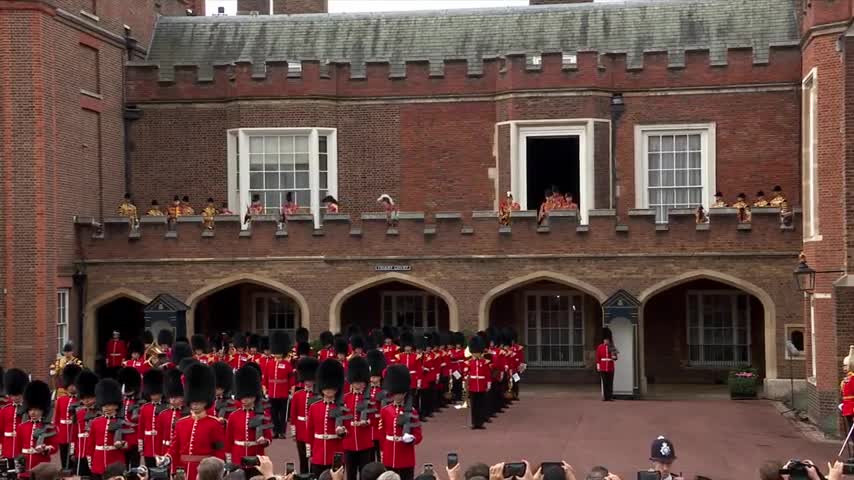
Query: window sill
(91, 94)
(798, 357)
(90, 16)
(814, 238)
(716, 367)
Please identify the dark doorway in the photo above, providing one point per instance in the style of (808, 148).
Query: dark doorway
(219, 312)
(395, 303)
(124, 315)
(552, 161)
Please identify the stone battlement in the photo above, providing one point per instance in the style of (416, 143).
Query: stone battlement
(583, 70)
(439, 234)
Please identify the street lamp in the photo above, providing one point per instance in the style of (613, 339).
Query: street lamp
(805, 276)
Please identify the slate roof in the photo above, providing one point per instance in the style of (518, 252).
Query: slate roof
(631, 27)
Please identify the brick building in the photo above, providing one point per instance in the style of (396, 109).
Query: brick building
(641, 110)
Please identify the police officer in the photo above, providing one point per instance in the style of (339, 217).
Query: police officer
(662, 455)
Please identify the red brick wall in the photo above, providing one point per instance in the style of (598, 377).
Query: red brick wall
(244, 7)
(290, 7)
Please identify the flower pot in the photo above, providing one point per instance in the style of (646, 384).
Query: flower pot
(743, 385)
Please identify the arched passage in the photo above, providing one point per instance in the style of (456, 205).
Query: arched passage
(246, 302)
(394, 296)
(120, 309)
(557, 317)
(697, 326)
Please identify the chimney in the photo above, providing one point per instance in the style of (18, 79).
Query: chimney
(246, 7)
(291, 7)
(557, 2)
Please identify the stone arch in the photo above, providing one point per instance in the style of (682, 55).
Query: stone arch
(770, 312)
(486, 301)
(90, 315)
(194, 298)
(343, 295)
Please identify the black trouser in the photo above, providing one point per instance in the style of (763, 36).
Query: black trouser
(849, 421)
(457, 390)
(82, 468)
(316, 469)
(64, 459)
(278, 409)
(303, 458)
(515, 390)
(378, 451)
(426, 403)
(405, 473)
(607, 385)
(132, 458)
(151, 462)
(357, 460)
(477, 404)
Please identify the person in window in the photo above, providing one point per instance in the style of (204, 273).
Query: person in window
(558, 200)
(760, 202)
(569, 202)
(174, 211)
(254, 208)
(742, 208)
(606, 358)
(154, 210)
(208, 214)
(391, 210)
(505, 208)
(331, 204)
(546, 206)
(782, 203)
(186, 208)
(223, 210)
(719, 201)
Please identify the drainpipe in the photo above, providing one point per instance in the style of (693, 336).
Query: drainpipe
(617, 110)
(79, 279)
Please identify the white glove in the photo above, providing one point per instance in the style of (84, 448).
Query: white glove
(418, 384)
(408, 438)
(308, 450)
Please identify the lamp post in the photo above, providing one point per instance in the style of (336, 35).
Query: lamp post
(805, 276)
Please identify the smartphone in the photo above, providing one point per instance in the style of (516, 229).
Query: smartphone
(337, 461)
(453, 460)
(428, 469)
(247, 462)
(289, 468)
(549, 465)
(647, 475)
(514, 470)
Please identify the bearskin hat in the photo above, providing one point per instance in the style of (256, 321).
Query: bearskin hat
(247, 383)
(130, 379)
(357, 342)
(172, 385)
(254, 341)
(108, 392)
(436, 339)
(607, 334)
(199, 342)
(200, 385)
(341, 346)
(407, 340)
(307, 369)
(353, 330)
(185, 363)
(421, 343)
(388, 332)
(15, 380)
(326, 338)
(147, 337)
(303, 349)
(476, 345)
(152, 382)
(253, 365)
(224, 375)
(459, 338)
(377, 338)
(358, 370)
(330, 374)
(165, 338)
(69, 374)
(182, 339)
(85, 383)
(280, 343)
(136, 346)
(396, 379)
(376, 362)
(180, 351)
(68, 347)
(301, 334)
(239, 341)
(264, 343)
(37, 395)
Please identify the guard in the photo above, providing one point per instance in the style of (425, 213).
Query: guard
(325, 421)
(478, 378)
(358, 443)
(302, 400)
(249, 430)
(85, 413)
(279, 372)
(11, 415)
(377, 364)
(606, 357)
(37, 439)
(173, 388)
(400, 425)
(131, 382)
(64, 414)
(107, 431)
(152, 392)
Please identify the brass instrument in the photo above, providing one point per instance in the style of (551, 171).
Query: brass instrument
(152, 354)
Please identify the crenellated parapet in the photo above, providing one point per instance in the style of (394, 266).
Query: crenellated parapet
(441, 233)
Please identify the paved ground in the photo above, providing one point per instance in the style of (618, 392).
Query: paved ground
(713, 436)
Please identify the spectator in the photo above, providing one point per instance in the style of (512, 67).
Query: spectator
(477, 470)
(325, 475)
(389, 475)
(662, 455)
(425, 476)
(372, 471)
(46, 471)
(211, 468)
(770, 470)
(114, 471)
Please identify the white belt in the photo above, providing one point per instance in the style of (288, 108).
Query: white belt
(476, 377)
(301, 419)
(413, 371)
(167, 442)
(8, 434)
(392, 438)
(115, 354)
(105, 448)
(28, 451)
(66, 422)
(325, 436)
(241, 443)
(83, 435)
(607, 360)
(150, 432)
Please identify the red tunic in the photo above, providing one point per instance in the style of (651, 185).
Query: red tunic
(131, 415)
(81, 427)
(9, 421)
(395, 452)
(241, 439)
(325, 353)
(359, 435)
(478, 375)
(147, 427)
(390, 351)
(238, 360)
(117, 351)
(140, 365)
(376, 433)
(166, 421)
(299, 415)
(321, 430)
(206, 358)
(416, 368)
(101, 449)
(196, 439)
(278, 375)
(604, 358)
(63, 420)
(847, 388)
(27, 445)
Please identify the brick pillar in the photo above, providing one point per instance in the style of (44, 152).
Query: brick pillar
(292, 7)
(244, 7)
(556, 2)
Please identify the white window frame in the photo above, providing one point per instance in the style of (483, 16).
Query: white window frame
(574, 296)
(520, 131)
(63, 296)
(708, 158)
(789, 328)
(809, 156)
(425, 296)
(238, 195)
(265, 330)
(734, 295)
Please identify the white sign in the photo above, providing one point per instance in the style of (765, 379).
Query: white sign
(393, 268)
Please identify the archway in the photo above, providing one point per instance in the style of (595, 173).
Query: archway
(699, 326)
(120, 309)
(557, 318)
(405, 293)
(246, 303)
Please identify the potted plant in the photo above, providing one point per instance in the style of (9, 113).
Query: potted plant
(743, 384)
